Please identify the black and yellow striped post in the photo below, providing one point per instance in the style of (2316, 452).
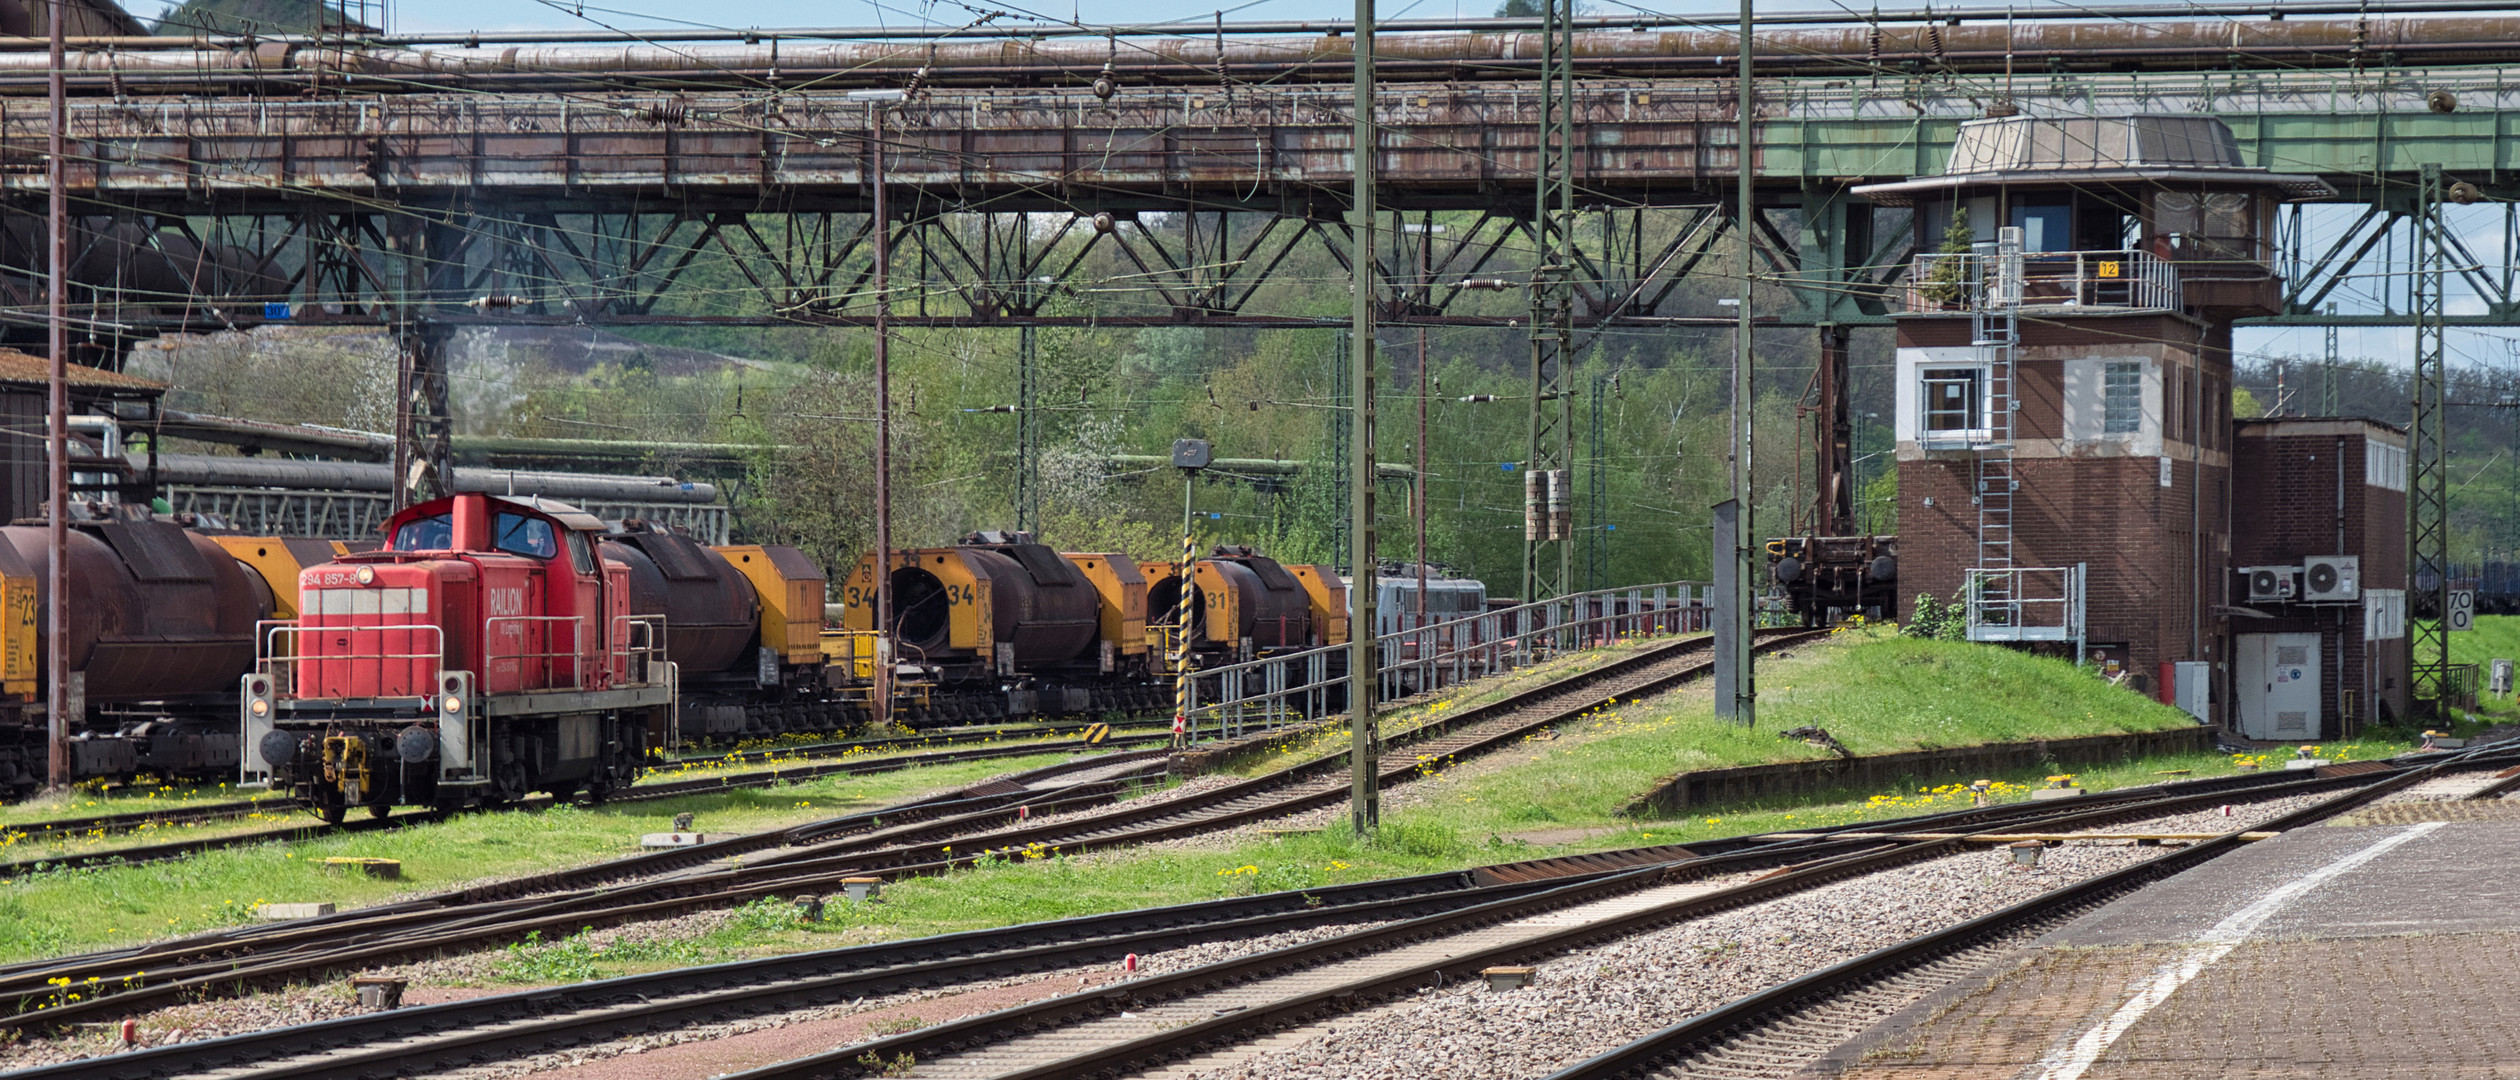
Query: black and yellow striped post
(1181, 642)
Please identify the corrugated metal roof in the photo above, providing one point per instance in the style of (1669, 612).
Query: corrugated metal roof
(2012, 143)
(21, 369)
(2086, 150)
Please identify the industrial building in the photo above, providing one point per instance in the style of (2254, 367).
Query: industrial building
(2069, 465)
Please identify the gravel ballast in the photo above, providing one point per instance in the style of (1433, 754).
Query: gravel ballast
(1591, 1001)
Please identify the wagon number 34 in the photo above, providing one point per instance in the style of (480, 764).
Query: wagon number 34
(955, 596)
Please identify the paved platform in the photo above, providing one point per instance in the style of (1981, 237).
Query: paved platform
(2366, 951)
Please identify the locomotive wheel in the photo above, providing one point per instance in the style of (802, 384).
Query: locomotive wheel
(379, 810)
(333, 813)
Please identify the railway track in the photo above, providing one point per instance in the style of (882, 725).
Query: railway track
(115, 824)
(645, 792)
(419, 1041)
(1149, 1023)
(1776, 1032)
(817, 859)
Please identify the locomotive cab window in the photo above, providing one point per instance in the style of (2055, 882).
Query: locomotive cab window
(518, 534)
(581, 553)
(435, 533)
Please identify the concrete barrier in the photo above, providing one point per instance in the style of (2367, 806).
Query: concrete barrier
(1689, 791)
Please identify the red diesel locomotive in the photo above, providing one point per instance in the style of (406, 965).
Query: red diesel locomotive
(489, 650)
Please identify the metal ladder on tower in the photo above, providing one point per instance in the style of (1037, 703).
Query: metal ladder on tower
(1994, 593)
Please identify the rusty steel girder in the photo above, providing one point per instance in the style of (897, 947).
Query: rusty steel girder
(123, 66)
(1287, 150)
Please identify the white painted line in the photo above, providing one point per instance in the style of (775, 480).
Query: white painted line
(2070, 1060)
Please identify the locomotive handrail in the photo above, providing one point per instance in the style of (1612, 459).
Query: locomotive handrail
(623, 648)
(1416, 659)
(578, 658)
(270, 659)
(639, 642)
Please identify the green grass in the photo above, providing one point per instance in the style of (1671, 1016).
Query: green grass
(2495, 636)
(75, 910)
(97, 799)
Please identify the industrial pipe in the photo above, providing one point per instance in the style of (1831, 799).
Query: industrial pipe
(204, 470)
(1840, 50)
(2273, 10)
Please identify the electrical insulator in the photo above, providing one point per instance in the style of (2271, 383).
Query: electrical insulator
(1534, 517)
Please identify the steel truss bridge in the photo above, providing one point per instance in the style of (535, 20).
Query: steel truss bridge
(1158, 206)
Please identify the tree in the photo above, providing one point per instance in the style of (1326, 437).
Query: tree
(1947, 283)
(1519, 9)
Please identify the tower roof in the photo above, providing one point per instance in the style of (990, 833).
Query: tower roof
(2186, 150)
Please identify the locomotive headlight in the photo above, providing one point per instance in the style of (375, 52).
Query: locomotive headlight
(260, 708)
(452, 704)
(367, 575)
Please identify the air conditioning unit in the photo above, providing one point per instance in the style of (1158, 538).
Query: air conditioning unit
(2270, 582)
(2331, 579)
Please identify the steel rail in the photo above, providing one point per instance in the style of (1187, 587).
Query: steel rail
(227, 950)
(112, 824)
(593, 1011)
(797, 980)
(1241, 1023)
(175, 849)
(783, 875)
(1707, 1032)
(427, 932)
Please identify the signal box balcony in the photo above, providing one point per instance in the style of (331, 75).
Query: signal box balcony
(2051, 283)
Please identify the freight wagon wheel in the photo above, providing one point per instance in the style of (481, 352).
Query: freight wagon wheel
(379, 810)
(333, 813)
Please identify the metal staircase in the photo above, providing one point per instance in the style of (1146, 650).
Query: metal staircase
(1995, 323)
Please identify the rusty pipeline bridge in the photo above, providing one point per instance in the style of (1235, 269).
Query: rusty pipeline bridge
(1043, 175)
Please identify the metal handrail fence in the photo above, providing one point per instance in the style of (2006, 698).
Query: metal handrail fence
(2128, 280)
(1231, 699)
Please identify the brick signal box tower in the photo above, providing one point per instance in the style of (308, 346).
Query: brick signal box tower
(2065, 437)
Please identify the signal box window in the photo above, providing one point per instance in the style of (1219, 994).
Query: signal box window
(2122, 398)
(518, 534)
(426, 534)
(1954, 400)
